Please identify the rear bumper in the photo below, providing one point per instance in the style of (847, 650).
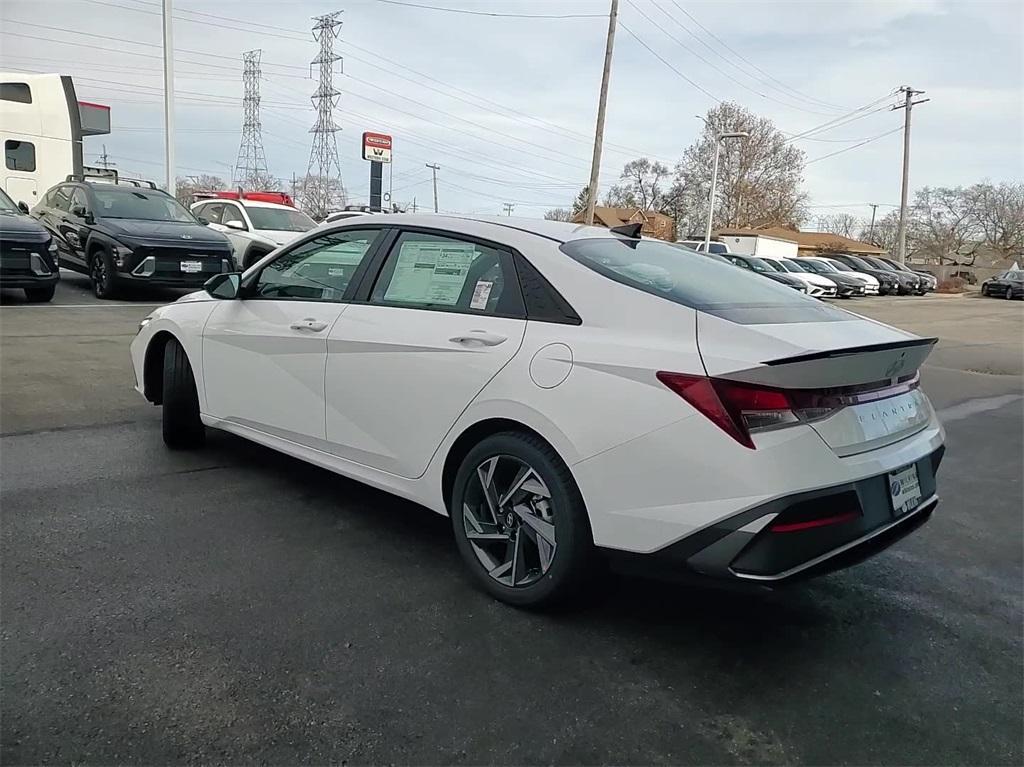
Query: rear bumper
(758, 548)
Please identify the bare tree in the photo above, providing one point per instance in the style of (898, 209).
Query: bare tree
(309, 188)
(187, 186)
(559, 214)
(759, 177)
(642, 185)
(844, 224)
(943, 225)
(265, 182)
(884, 234)
(999, 211)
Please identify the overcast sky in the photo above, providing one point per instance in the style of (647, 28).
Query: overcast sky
(824, 60)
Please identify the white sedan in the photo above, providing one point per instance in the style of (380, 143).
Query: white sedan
(562, 392)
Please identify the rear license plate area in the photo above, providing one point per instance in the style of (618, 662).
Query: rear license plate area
(191, 267)
(904, 489)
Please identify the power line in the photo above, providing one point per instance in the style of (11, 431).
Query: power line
(654, 53)
(751, 63)
(855, 146)
(498, 15)
(718, 69)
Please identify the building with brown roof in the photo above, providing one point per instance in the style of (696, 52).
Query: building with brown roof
(654, 224)
(810, 243)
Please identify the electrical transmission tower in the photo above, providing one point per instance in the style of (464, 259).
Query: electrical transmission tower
(251, 165)
(323, 190)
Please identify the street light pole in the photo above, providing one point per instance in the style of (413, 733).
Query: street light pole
(714, 182)
(168, 24)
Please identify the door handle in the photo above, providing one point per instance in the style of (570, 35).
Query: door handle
(481, 337)
(309, 324)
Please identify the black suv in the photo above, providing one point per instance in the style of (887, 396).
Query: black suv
(130, 233)
(28, 255)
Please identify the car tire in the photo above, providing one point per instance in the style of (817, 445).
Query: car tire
(40, 295)
(101, 274)
(548, 545)
(182, 427)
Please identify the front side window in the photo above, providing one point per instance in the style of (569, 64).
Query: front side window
(78, 199)
(280, 219)
(318, 270)
(697, 282)
(62, 198)
(429, 271)
(140, 204)
(19, 155)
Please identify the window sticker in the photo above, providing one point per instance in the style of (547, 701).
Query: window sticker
(430, 272)
(481, 293)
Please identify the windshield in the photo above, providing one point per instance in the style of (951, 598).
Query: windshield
(860, 264)
(839, 266)
(792, 266)
(698, 282)
(898, 266)
(142, 204)
(280, 219)
(7, 204)
(760, 265)
(877, 264)
(823, 267)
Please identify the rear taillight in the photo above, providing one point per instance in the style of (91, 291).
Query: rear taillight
(741, 409)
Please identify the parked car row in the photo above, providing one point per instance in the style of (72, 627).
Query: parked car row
(831, 275)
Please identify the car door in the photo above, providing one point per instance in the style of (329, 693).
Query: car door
(73, 226)
(264, 355)
(443, 316)
(54, 218)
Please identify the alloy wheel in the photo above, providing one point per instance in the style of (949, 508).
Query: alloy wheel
(99, 275)
(508, 518)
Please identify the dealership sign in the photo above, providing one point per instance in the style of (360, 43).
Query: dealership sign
(376, 147)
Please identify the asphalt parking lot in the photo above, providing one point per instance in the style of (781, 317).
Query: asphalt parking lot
(233, 605)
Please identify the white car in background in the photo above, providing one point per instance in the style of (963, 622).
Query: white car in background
(254, 227)
(871, 284)
(828, 288)
(562, 392)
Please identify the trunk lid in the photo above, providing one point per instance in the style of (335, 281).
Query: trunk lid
(843, 352)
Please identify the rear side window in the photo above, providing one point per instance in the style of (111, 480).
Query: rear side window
(700, 283)
(20, 155)
(18, 92)
(62, 198)
(431, 271)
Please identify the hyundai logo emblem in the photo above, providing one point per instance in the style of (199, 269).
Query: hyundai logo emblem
(186, 236)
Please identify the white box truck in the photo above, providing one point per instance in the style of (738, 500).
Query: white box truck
(760, 245)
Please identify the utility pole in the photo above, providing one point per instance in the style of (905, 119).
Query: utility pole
(320, 194)
(104, 160)
(871, 229)
(595, 163)
(251, 165)
(509, 207)
(168, 25)
(434, 169)
(909, 103)
(414, 208)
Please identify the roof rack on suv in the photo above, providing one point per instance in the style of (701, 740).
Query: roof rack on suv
(108, 176)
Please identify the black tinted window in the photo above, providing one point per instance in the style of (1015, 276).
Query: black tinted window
(692, 280)
(19, 92)
(19, 155)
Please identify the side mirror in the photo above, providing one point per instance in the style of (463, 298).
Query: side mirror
(235, 224)
(225, 285)
(78, 210)
(23, 206)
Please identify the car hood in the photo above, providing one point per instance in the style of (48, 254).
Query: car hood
(180, 233)
(843, 279)
(19, 227)
(789, 279)
(866, 279)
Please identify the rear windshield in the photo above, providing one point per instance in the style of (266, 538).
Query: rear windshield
(701, 283)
